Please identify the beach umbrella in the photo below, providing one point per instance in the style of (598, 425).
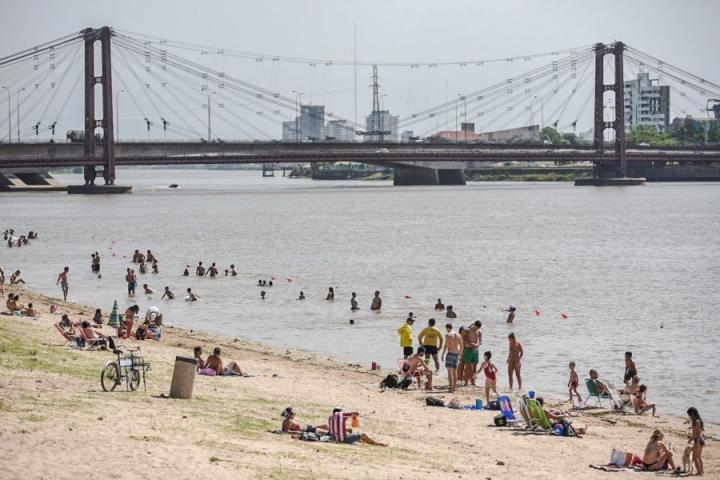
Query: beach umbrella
(114, 321)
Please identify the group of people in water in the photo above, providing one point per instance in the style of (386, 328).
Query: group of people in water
(19, 241)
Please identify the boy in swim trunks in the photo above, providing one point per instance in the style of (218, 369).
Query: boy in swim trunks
(573, 384)
(471, 353)
(63, 281)
(451, 355)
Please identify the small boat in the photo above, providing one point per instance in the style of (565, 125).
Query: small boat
(173, 185)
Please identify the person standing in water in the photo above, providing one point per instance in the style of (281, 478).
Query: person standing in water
(331, 294)
(131, 281)
(212, 271)
(376, 304)
(511, 314)
(439, 306)
(354, 302)
(450, 313)
(63, 281)
(200, 270)
(168, 294)
(514, 360)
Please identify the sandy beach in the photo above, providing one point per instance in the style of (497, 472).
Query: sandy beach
(56, 422)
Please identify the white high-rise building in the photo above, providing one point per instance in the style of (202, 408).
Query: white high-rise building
(647, 103)
(309, 126)
(339, 131)
(381, 121)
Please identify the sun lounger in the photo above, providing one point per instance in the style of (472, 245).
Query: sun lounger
(537, 414)
(67, 336)
(525, 411)
(611, 395)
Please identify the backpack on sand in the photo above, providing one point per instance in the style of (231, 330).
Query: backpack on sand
(405, 383)
(434, 402)
(391, 381)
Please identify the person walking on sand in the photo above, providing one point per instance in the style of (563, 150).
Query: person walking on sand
(490, 371)
(405, 332)
(376, 304)
(514, 360)
(471, 354)
(431, 338)
(354, 302)
(451, 355)
(63, 281)
(573, 384)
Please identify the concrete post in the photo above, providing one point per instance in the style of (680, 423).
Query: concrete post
(89, 150)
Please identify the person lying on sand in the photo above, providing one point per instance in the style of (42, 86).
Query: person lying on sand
(415, 366)
(215, 363)
(657, 456)
(289, 424)
(340, 433)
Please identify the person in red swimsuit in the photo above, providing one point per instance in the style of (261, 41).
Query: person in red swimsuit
(490, 371)
(573, 384)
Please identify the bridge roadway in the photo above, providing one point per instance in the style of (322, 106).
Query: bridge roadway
(413, 155)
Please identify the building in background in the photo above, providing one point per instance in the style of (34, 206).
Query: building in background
(407, 136)
(529, 134)
(309, 126)
(647, 103)
(339, 131)
(381, 121)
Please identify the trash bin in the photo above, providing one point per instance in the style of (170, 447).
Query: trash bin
(183, 377)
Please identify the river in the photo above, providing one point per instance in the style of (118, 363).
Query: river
(633, 268)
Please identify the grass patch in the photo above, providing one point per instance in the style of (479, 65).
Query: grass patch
(34, 418)
(248, 426)
(17, 354)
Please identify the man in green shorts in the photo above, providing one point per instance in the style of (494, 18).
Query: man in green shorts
(471, 352)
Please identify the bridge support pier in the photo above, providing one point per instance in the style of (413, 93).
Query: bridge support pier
(428, 176)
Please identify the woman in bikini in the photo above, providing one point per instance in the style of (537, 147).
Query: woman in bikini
(697, 437)
(657, 456)
(490, 371)
(291, 425)
(515, 355)
(640, 403)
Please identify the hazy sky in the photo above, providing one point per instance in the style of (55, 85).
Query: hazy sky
(684, 33)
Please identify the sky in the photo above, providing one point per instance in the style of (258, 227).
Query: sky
(682, 33)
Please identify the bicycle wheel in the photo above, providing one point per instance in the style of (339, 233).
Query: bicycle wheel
(134, 379)
(110, 377)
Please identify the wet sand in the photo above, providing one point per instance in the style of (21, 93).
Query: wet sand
(56, 422)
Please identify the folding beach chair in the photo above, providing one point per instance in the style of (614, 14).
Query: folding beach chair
(506, 408)
(594, 393)
(537, 414)
(525, 411)
(67, 336)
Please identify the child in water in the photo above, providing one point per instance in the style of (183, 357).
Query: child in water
(490, 376)
(573, 383)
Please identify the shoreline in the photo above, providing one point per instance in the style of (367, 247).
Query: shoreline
(57, 400)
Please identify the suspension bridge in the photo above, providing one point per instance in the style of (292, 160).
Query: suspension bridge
(66, 110)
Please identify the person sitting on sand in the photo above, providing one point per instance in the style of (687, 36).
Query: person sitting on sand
(11, 304)
(168, 294)
(215, 363)
(98, 318)
(415, 366)
(290, 425)
(657, 456)
(631, 387)
(639, 402)
(197, 353)
(147, 289)
(339, 432)
(558, 416)
(147, 331)
(15, 278)
(125, 329)
(30, 311)
(191, 297)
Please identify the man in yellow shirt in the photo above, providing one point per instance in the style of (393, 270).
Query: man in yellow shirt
(405, 332)
(431, 338)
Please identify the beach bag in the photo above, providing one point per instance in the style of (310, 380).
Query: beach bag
(434, 402)
(391, 381)
(621, 459)
(405, 383)
(80, 342)
(500, 421)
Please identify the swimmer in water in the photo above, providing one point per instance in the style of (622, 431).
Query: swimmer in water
(155, 267)
(191, 297)
(200, 270)
(262, 295)
(450, 313)
(511, 314)
(63, 281)
(354, 302)
(147, 290)
(168, 294)
(212, 271)
(439, 305)
(259, 283)
(186, 272)
(143, 267)
(233, 272)
(270, 284)
(302, 295)
(331, 294)
(376, 304)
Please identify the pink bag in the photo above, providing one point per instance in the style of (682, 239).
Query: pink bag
(208, 371)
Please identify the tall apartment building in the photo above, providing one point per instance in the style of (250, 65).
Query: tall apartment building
(381, 121)
(310, 125)
(340, 131)
(647, 103)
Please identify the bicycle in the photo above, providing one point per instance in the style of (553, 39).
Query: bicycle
(128, 368)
